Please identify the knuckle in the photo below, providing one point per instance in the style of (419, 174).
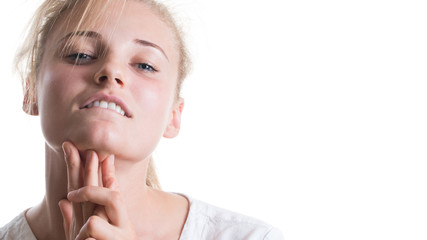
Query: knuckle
(109, 181)
(71, 188)
(92, 222)
(115, 198)
(85, 192)
(72, 163)
(90, 167)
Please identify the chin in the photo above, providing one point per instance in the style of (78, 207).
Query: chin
(103, 137)
(107, 141)
(104, 141)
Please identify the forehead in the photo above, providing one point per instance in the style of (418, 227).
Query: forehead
(115, 21)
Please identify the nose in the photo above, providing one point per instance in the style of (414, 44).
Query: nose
(110, 73)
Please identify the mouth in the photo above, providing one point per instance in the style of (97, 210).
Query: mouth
(107, 102)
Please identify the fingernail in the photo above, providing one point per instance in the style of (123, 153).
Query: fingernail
(60, 207)
(66, 149)
(60, 203)
(70, 194)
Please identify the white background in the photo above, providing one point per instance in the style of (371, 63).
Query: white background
(309, 115)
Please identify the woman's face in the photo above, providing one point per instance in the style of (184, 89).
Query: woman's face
(128, 60)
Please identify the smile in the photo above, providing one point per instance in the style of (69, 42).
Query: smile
(107, 105)
(109, 102)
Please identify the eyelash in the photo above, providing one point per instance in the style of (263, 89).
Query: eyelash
(146, 67)
(81, 58)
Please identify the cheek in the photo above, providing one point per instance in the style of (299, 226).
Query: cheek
(56, 99)
(58, 84)
(154, 101)
(52, 92)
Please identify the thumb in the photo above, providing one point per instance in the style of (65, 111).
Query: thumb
(67, 214)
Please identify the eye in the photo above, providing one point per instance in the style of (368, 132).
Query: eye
(80, 58)
(146, 67)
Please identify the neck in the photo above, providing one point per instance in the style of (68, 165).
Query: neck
(45, 219)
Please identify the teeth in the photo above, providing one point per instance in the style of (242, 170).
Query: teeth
(103, 104)
(107, 105)
(112, 106)
(118, 109)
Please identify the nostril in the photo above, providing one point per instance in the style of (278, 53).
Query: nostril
(103, 78)
(119, 81)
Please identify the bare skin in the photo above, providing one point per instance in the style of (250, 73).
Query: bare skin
(112, 197)
(152, 214)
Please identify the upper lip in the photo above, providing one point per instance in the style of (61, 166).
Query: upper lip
(107, 98)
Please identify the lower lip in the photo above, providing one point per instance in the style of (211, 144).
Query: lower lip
(100, 108)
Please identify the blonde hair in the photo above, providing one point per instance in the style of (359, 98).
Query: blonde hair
(29, 57)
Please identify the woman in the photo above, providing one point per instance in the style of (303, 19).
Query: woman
(105, 79)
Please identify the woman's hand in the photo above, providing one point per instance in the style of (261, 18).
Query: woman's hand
(94, 209)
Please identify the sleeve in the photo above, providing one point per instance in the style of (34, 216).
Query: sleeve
(274, 234)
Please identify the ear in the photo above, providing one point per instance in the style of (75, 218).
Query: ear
(174, 122)
(29, 104)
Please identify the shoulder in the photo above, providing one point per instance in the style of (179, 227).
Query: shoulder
(206, 221)
(18, 228)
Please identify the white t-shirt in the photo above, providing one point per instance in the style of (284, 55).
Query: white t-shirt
(204, 222)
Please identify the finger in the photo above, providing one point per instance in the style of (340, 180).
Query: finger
(90, 179)
(74, 168)
(74, 174)
(109, 174)
(67, 214)
(96, 228)
(108, 198)
(91, 169)
(100, 212)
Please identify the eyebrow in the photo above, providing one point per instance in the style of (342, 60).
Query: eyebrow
(95, 35)
(89, 34)
(150, 44)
